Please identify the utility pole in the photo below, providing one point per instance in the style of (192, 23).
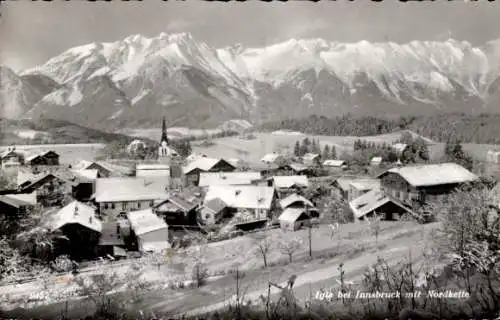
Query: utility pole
(310, 232)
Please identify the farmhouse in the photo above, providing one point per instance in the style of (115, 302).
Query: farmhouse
(264, 168)
(12, 158)
(274, 158)
(286, 185)
(311, 159)
(376, 202)
(79, 224)
(297, 169)
(177, 211)
(293, 219)
(228, 178)
(49, 158)
(256, 201)
(104, 170)
(213, 211)
(424, 183)
(359, 187)
(117, 196)
(152, 170)
(295, 201)
(150, 231)
(334, 164)
(12, 205)
(376, 161)
(193, 169)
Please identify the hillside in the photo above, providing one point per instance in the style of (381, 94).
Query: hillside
(133, 82)
(482, 128)
(53, 131)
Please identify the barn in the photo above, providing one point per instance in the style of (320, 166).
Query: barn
(151, 231)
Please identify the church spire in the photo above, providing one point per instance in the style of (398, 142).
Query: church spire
(164, 131)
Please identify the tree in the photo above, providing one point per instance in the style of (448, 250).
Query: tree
(288, 245)
(262, 248)
(326, 153)
(333, 152)
(304, 147)
(314, 147)
(454, 152)
(296, 149)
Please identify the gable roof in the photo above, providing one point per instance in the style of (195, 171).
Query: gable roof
(90, 174)
(215, 205)
(153, 166)
(203, 164)
(370, 201)
(433, 174)
(126, 189)
(177, 201)
(376, 159)
(271, 157)
(284, 203)
(334, 163)
(18, 200)
(41, 154)
(298, 167)
(291, 214)
(75, 213)
(249, 197)
(228, 178)
(343, 183)
(145, 221)
(310, 156)
(290, 181)
(365, 184)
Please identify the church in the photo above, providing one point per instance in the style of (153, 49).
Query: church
(165, 152)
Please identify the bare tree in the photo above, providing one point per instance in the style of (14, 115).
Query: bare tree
(374, 225)
(288, 245)
(262, 248)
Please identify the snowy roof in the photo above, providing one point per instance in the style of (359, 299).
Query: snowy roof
(376, 160)
(433, 174)
(178, 202)
(334, 163)
(155, 166)
(155, 246)
(250, 197)
(203, 163)
(291, 214)
(310, 156)
(215, 205)
(228, 178)
(370, 201)
(76, 212)
(344, 183)
(90, 174)
(290, 181)
(19, 199)
(126, 189)
(365, 184)
(284, 203)
(298, 167)
(145, 221)
(271, 157)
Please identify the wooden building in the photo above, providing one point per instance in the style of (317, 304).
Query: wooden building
(177, 211)
(49, 158)
(193, 169)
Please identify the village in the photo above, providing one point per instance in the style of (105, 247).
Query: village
(122, 210)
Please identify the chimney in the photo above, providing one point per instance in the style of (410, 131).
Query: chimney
(90, 220)
(76, 210)
(237, 192)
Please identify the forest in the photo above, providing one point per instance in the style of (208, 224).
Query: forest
(467, 128)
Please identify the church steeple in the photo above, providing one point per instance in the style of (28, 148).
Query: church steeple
(164, 131)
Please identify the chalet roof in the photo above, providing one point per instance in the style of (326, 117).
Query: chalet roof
(17, 200)
(178, 201)
(334, 163)
(228, 178)
(40, 154)
(371, 201)
(249, 197)
(291, 214)
(376, 160)
(284, 203)
(298, 167)
(126, 189)
(271, 157)
(344, 183)
(365, 184)
(90, 174)
(76, 213)
(215, 205)
(203, 164)
(310, 156)
(261, 166)
(433, 174)
(145, 221)
(290, 181)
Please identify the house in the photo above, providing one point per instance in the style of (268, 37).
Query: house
(286, 185)
(376, 202)
(493, 156)
(359, 187)
(105, 169)
(424, 183)
(264, 168)
(204, 164)
(176, 210)
(273, 158)
(340, 188)
(213, 211)
(293, 219)
(298, 201)
(49, 158)
(334, 165)
(112, 240)
(152, 170)
(298, 169)
(256, 201)
(17, 203)
(376, 161)
(311, 159)
(12, 158)
(80, 225)
(119, 195)
(149, 230)
(228, 178)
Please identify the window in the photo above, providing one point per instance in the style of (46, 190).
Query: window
(138, 205)
(124, 206)
(151, 203)
(112, 206)
(105, 206)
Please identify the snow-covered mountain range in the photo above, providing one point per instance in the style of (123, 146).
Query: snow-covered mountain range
(135, 81)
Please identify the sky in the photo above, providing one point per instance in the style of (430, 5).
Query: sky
(31, 32)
